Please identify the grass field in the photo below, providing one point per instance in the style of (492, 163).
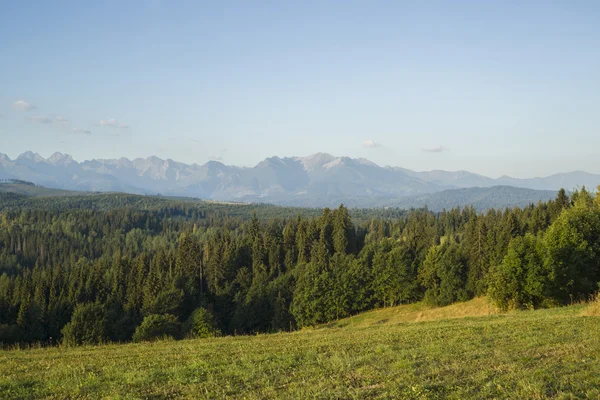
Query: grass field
(469, 353)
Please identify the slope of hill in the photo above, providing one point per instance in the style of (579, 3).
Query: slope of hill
(10, 200)
(480, 198)
(417, 312)
(29, 189)
(533, 354)
(317, 180)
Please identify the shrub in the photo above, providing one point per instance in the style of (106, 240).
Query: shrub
(87, 325)
(157, 326)
(201, 324)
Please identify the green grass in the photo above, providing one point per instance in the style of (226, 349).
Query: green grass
(534, 354)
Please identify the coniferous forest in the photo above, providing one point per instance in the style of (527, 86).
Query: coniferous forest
(117, 268)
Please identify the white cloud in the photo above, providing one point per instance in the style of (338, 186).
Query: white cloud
(112, 123)
(370, 144)
(22, 105)
(81, 130)
(41, 119)
(215, 158)
(438, 149)
(60, 122)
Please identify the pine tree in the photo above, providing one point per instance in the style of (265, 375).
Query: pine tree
(289, 244)
(478, 261)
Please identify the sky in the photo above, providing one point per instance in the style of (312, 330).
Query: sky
(496, 88)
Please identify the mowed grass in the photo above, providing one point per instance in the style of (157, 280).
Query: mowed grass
(533, 354)
(418, 312)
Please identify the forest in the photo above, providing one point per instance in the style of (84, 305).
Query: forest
(118, 268)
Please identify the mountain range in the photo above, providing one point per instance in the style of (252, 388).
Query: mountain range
(316, 180)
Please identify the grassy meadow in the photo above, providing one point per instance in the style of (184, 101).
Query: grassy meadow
(462, 351)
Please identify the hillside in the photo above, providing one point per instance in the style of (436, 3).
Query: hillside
(417, 312)
(534, 354)
(27, 189)
(317, 180)
(480, 198)
(18, 197)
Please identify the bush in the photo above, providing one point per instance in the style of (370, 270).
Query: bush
(157, 326)
(201, 324)
(87, 325)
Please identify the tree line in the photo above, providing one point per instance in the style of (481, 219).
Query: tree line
(86, 270)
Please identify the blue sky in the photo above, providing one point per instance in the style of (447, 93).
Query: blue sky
(497, 88)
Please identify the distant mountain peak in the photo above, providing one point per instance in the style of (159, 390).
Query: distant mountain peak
(317, 160)
(155, 160)
(29, 155)
(214, 163)
(364, 161)
(271, 161)
(60, 158)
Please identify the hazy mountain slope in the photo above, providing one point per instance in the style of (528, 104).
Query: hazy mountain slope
(61, 172)
(569, 181)
(480, 198)
(274, 178)
(317, 180)
(456, 179)
(466, 179)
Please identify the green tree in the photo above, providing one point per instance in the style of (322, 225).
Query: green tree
(394, 275)
(477, 256)
(167, 301)
(444, 275)
(521, 280)
(343, 231)
(308, 306)
(30, 321)
(573, 247)
(189, 269)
